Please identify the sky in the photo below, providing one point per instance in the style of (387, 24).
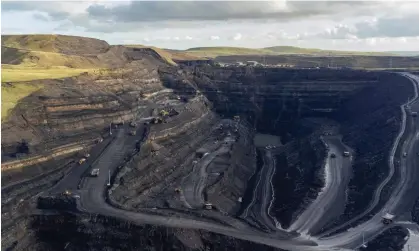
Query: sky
(351, 25)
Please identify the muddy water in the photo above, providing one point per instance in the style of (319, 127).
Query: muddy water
(262, 140)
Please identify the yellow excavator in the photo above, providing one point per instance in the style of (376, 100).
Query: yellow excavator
(164, 113)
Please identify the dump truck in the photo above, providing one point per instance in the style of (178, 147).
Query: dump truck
(99, 140)
(346, 154)
(82, 160)
(414, 114)
(208, 206)
(133, 133)
(388, 218)
(405, 154)
(94, 172)
(67, 192)
(87, 155)
(133, 124)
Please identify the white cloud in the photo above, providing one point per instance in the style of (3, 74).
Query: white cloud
(238, 36)
(371, 41)
(214, 38)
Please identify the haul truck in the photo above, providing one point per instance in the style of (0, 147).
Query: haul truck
(388, 218)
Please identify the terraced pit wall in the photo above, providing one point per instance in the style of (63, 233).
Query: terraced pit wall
(278, 101)
(354, 61)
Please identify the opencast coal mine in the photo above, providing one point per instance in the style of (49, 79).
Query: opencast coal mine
(204, 157)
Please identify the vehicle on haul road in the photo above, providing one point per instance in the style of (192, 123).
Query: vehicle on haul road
(82, 160)
(388, 218)
(414, 114)
(346, 154)
(95, 172)
(333, 155)
(208, 206)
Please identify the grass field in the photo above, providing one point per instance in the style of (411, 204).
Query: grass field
(213, 52)
(12, 93)
(21, 74)
(14, 88)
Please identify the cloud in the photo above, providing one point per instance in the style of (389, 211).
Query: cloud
(406, 26)
(214, 38)
(372, 28)
(104, 16)
(238, 36)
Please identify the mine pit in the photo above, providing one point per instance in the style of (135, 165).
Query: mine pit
(247, 150)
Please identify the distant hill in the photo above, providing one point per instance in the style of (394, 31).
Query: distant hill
(213, 52)
(405, 53)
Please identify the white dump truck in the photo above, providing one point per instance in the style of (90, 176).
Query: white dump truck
(388, 218)
(346, 154)
(95, 172)
(208, 206)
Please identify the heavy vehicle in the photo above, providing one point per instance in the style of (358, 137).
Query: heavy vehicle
(133, 124)
(82, 160)
(67, 192)
(94, 172)
(208, 206)
(87, 155)
(346, 154)
(414, 114)
(404, 154)
(387, 218)
(333, 155)
(164, 113)
(133, 133)
(99, 140)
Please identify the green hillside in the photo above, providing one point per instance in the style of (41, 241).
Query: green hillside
(213, 52)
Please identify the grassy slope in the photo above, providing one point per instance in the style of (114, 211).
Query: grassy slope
(213, 52)
(12, 93)
(34, 57)
(275, 50)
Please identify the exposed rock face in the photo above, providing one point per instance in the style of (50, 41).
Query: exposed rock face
(77, 109)
(85, 232)
(325, 61)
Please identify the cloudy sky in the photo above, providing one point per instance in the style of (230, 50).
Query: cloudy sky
(353, 25)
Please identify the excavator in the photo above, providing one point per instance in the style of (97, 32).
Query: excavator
(164, 113)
